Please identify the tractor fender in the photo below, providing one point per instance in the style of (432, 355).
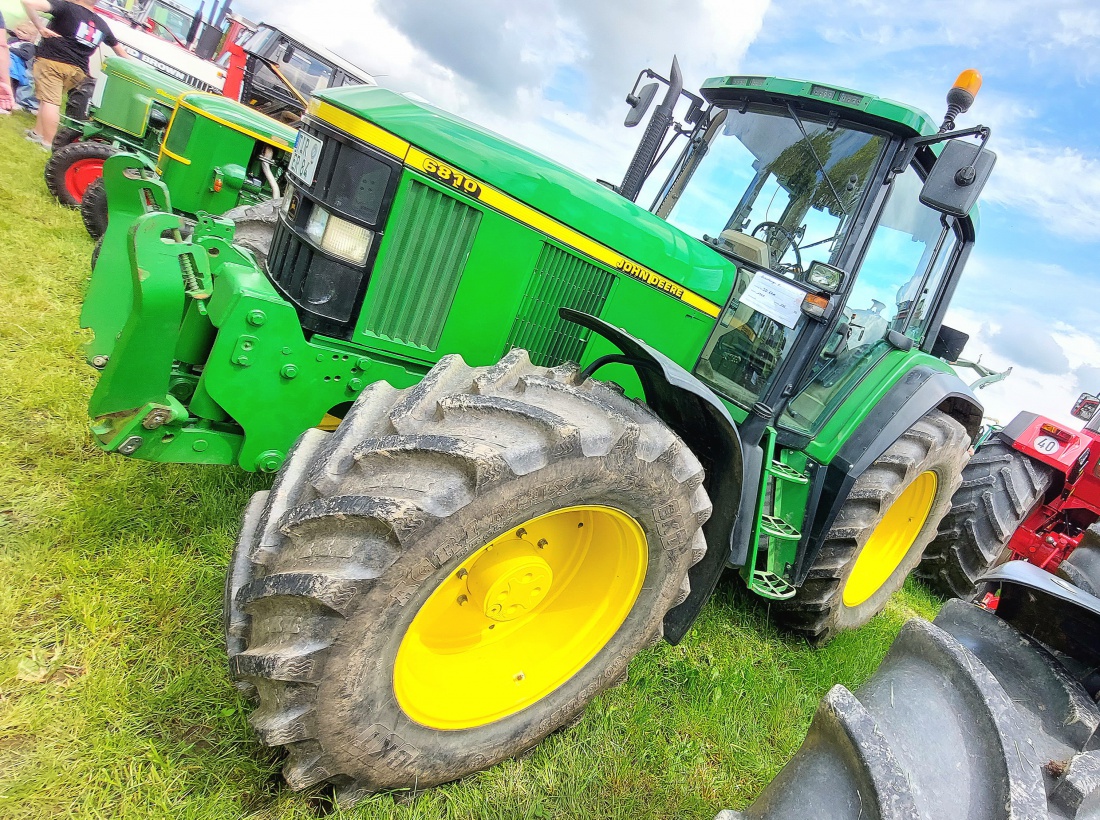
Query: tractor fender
(922, 389)
(700, 418)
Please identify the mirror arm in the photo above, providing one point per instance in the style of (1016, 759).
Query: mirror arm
(914, 144)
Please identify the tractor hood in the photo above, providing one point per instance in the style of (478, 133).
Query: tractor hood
(542, 184)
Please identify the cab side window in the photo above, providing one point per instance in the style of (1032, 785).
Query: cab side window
(898, 281)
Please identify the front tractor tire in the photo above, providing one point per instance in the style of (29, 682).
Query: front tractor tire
(456, 571)
(1001, 487)
(72, 168)
(891, 514)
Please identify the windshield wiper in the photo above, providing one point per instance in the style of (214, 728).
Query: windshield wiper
(817, 159)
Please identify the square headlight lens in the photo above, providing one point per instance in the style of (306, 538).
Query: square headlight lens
(338, 236)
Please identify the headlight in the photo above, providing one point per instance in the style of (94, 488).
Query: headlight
(338, 236)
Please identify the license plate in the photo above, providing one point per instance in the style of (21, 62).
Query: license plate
(303, 162)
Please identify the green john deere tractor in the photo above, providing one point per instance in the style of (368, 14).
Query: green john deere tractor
(563, 415)
(213, 153)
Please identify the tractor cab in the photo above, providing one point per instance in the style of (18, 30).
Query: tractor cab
(822, 198)
(276, 72)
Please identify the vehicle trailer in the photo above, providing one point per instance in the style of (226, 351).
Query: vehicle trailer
(1031, 492)
(499, 509)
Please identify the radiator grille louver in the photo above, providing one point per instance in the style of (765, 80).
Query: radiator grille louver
(559, 280)
(412, 290)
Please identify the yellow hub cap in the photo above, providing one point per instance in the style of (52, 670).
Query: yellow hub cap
(891, 540)
(520, 617)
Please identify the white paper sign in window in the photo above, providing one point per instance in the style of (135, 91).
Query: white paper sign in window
(774, 298)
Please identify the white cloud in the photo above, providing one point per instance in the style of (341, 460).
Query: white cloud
(1057, 186)
(503, 65)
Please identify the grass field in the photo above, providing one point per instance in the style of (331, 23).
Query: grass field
(114, 695)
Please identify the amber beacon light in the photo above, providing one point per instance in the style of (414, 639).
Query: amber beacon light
(961, 96)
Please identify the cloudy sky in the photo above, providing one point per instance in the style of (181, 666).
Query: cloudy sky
(553, 74)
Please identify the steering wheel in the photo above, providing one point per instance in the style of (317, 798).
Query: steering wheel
(775, 227)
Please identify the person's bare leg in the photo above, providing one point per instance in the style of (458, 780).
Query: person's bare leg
(49, 115)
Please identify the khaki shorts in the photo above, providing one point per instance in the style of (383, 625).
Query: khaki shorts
(51, 79)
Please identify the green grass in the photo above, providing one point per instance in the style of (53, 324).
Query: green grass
(114, 696)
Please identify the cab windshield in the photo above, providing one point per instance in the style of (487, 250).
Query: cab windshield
(773, 186)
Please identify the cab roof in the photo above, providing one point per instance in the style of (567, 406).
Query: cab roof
(860, 107)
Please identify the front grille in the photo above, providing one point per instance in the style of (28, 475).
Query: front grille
(559, 280)
(353, 183)
(412, 290)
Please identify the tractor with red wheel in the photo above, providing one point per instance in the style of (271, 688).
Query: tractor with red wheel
(1031, 492)
(213, 153)
(128, 110)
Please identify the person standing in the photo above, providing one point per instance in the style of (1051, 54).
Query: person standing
(7, 97)
(61, 60)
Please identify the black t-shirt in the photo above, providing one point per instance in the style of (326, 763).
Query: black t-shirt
(81, 30)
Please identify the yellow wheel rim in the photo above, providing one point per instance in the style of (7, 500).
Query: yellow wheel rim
(520, 617)
(891, 540)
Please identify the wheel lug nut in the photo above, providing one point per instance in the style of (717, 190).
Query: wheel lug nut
(542, 543)
(521, 532)
(462, 599)
(462, 573)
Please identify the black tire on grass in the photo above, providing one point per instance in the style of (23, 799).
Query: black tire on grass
(364, 523)
(1001, 487)
(64, 159)
(817, 612)
(93, 209)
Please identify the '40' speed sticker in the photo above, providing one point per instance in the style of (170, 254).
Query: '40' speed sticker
(1047, 444)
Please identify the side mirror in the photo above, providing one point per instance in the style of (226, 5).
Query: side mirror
(1085, 407)
(957, 178)
(639, 103)
(825, 276)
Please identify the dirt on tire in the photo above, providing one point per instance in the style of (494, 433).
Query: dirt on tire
(362, 524)
(817, 612)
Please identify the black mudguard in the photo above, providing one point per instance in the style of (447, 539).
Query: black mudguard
(698, 416)
(1049, 609)
(922, 389)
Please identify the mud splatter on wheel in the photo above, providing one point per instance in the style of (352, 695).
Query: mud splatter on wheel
(457, 571)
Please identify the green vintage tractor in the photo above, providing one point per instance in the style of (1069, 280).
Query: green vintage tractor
(563, 415)
(216, 156)
(220, 154)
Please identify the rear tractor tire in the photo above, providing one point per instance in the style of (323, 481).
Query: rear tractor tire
(456, 571)
(1001, 487)
(891, 514)
(72, 168)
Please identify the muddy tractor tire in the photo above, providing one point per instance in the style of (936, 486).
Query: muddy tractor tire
(1001, 487)
(72, 168)
(456, 571)
(965, 718)
(880, 532)
(93, 209)
(255, 226)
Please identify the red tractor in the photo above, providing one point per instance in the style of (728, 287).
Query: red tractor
(1031, 492)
